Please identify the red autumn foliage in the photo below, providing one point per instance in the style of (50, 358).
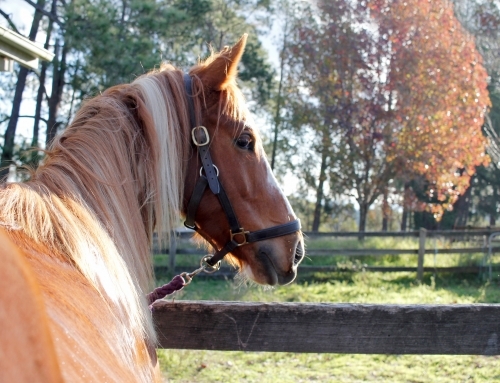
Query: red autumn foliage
(439, 86)
(399, 91)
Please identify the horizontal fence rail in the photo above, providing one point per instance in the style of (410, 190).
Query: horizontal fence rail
(329, 328)
(391, 269)
(357, 252)
(381, 252)
(414, 233)
(179, 245)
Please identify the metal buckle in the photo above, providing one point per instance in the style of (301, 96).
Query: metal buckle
(216, 170)
(189, 227)
(193, 135)
(241, 232)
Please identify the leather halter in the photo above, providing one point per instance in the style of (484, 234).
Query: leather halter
(238, 236)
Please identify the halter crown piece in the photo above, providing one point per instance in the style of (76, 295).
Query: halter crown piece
(209, 176)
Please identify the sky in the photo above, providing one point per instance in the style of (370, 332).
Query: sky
(20, 12)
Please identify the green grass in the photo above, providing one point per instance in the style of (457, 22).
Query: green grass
(390, 288)
(394, 288)
(210, 366)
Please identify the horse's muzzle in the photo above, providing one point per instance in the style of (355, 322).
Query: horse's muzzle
(274, 274)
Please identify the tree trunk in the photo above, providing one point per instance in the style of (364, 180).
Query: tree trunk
(38, 113)
(319, 190)
(34, 158)
(493, 214)
(462, 206)
(404, 216)
(363, 213)
(56, 95)
(386, 211)
(277, 117)
(10, 132)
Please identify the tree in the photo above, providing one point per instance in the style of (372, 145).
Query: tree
(398, 92)
(439, 85)
(484, 190)
(482, 20)
(324, 62)
(100, 43)
(10, 132)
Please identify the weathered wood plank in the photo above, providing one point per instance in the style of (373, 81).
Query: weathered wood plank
(333, 328)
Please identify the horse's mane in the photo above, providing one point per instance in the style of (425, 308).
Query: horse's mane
(114, 175)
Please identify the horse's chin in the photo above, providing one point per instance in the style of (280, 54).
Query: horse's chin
(264, 271)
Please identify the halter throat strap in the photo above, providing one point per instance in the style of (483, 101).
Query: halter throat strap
(209, 176)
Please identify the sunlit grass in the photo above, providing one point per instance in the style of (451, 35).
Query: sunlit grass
(217, 366)
(387, 288)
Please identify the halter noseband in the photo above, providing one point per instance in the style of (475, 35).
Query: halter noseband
(210, 178)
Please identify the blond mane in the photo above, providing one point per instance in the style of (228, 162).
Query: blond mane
(108, 180)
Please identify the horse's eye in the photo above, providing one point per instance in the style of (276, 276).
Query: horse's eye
(245, 141)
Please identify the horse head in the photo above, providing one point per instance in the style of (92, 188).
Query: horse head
(231, 196)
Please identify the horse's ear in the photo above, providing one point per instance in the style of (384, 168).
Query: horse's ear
(221, 69)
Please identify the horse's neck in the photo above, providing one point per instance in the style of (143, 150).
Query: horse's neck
(123, 158)
(108, 178)
(109, 204)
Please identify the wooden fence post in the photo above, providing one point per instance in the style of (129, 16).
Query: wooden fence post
(421, 253)
(172, 250)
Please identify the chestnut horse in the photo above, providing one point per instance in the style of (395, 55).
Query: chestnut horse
(75, 240)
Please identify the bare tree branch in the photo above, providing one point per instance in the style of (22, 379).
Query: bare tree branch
(50, 15)
(25, 116)
(7, 17)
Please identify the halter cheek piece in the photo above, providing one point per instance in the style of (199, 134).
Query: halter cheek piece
(209, 176)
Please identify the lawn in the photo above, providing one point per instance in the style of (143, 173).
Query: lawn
(395, 288)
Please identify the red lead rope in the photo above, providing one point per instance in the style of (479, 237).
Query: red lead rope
(177, 283)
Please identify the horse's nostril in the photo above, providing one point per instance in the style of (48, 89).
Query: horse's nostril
(299, 254)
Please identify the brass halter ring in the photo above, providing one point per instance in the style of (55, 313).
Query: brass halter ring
(206, 267)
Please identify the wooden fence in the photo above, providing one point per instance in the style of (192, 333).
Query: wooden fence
(487, 249)
(329, 328)
(335, 328)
